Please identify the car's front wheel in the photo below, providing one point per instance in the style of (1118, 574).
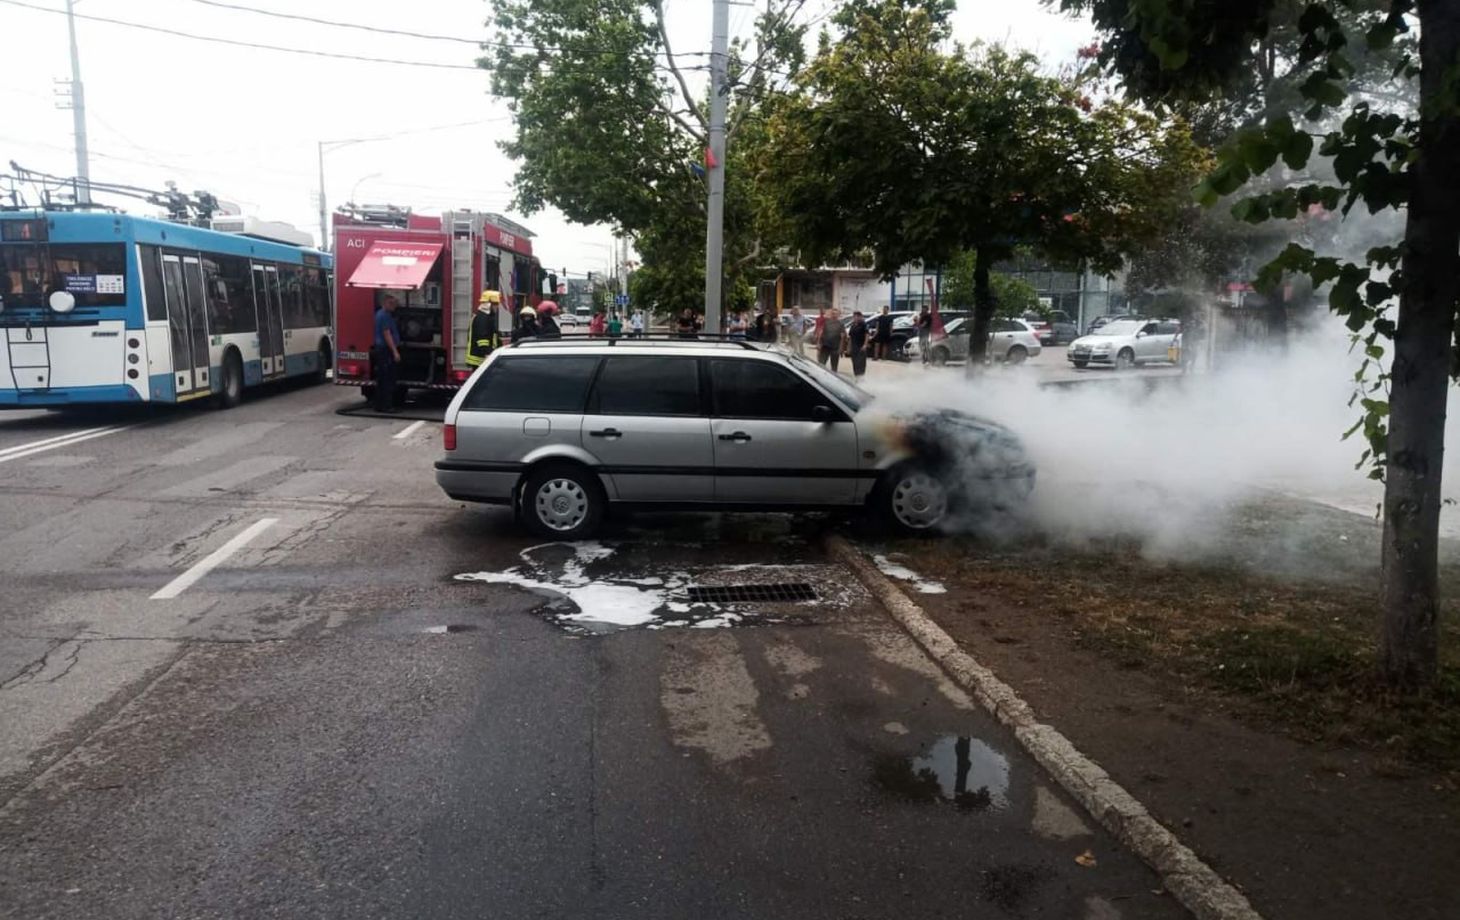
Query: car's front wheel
(1126, 359)
(939, 356)
(562, 502)
(912, 500)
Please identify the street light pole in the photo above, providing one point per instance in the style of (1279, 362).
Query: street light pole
(715, 165)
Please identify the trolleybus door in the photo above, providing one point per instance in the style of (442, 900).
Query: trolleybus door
(182, 284)
(271, 331)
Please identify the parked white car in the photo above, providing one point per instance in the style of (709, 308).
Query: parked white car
(1125, 343)
(1010, 340)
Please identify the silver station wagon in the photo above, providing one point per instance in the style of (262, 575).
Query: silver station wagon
(562, 429)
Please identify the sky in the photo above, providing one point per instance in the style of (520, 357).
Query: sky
(245, 123)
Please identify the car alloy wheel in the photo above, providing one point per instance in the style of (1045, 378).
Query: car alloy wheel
(561, 504)
(918, 500)
(1017, 354)
(1125, 359)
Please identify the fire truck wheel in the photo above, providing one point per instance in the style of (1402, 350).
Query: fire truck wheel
(562, 501)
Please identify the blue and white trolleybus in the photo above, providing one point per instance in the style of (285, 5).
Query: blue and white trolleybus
(105, 307)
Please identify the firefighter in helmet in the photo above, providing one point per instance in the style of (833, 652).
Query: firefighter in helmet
(483, 329)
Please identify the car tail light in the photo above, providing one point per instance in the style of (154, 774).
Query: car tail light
(448, 437)
(460, 376)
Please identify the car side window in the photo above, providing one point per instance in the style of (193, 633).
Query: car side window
(1006, 325)
(533, 384)
(745, 388)
(647, 385)
(1167, 328)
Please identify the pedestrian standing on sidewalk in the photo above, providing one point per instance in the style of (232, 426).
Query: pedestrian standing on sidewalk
(688, 324)
(830, 338)
(883, 338)
(615, 326)
(636, 324)
(857, 339)
(386, 352)
(796, 330)
(598, 325)
(925, 333)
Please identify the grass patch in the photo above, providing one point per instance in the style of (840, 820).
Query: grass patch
(1297, 655)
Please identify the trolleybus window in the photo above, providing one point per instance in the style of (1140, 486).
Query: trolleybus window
(152, 282)
(94, 272)
(230, 298)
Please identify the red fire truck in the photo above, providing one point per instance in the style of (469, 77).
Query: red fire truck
(436, 267)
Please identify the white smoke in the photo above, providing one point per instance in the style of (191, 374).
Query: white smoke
(1167, 461)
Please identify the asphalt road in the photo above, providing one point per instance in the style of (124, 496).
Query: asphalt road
(330, 723)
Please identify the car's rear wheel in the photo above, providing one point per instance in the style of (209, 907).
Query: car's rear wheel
(1017, 354)
(911, 500)
(1125, 359)
(562, 502)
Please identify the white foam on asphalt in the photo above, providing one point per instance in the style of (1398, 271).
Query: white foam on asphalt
(608, 601)
(901, 572)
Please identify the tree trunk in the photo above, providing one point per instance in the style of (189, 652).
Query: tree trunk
(983, 311)
(1420, 376)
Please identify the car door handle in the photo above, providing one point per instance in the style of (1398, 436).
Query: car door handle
(606, 433)
(737, 436)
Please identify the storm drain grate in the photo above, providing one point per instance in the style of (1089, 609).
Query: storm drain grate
(749, 594)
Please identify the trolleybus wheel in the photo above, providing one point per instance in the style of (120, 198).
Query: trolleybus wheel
(231, 393)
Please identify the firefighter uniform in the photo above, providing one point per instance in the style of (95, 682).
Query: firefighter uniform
(483, 334)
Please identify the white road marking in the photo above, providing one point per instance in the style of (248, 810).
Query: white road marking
(409, 430)
(21, 451)
(208, 563)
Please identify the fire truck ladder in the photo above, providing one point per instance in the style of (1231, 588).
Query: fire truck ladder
(463, 298)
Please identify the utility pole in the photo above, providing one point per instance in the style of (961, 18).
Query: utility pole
(78, 114)
(715, 166)
(324, 229)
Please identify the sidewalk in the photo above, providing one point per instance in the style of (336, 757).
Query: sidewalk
(1224, 700)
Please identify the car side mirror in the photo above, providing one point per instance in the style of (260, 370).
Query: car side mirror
(823, 414)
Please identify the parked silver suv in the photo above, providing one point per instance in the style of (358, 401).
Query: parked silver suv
(561, 429)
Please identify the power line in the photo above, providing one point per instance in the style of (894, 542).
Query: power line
(343, 25)
(243, 44)
(428, 36)
(333, 54)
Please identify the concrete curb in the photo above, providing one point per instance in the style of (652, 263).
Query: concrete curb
(1195, 884)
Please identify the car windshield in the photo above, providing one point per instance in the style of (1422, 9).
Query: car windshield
(954, 327)
(851, 395)
(1120, 327)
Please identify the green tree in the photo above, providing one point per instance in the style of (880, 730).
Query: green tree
(1012, 297)
(1391, 151)
(894, 143)
(608, 128)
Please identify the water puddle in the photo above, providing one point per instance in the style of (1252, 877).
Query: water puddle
(954, 768)
(586, 595)
(890, 567)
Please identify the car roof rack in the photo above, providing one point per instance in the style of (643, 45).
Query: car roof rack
(659, 339)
